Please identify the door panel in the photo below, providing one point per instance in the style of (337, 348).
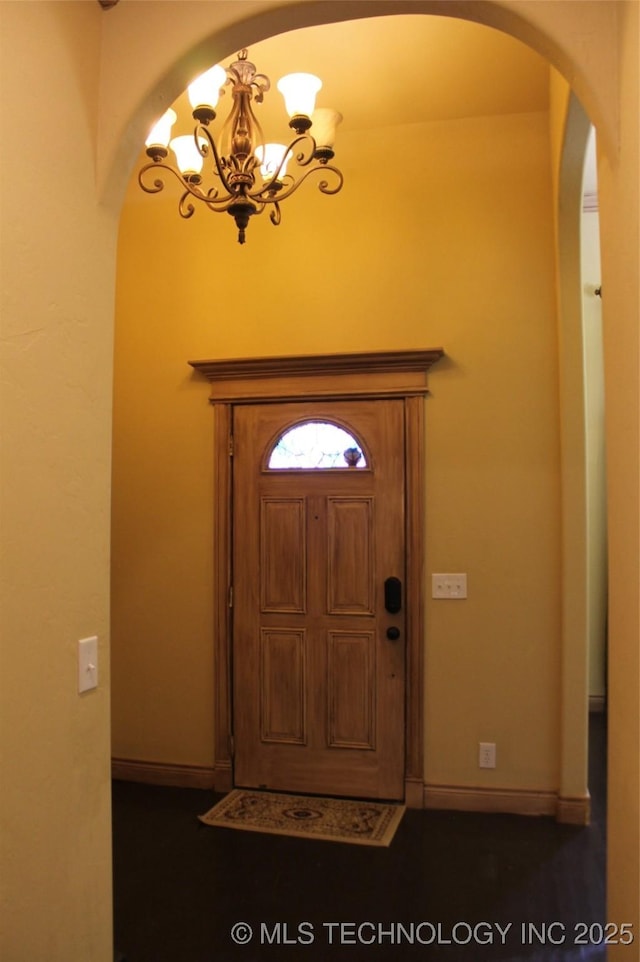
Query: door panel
(283, 552)
(282, 686)
(318, 688)
(350, 575)
(351, 684)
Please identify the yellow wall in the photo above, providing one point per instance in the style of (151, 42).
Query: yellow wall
(463, 260)
(57, 264)
(55, 746)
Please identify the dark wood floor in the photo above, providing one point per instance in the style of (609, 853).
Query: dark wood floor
(180, 887)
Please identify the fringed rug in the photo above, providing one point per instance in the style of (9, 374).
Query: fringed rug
(305, 816)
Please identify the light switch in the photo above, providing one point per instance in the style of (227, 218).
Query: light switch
(87, 664)
(452, 586)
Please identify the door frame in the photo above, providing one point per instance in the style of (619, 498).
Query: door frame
(370, 375)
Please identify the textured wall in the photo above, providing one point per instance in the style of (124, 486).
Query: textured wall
(57, 266)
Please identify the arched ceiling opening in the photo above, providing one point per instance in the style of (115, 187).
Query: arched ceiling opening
(398, 70)
(131, 102)
(391, 72)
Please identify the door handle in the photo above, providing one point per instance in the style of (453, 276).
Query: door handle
(393, 595)
(393, 633)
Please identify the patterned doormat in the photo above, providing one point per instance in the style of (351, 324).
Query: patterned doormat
(306, 816)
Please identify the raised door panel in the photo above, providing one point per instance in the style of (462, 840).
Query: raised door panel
(350, 556)
(351, 689)
(282, 686)
(283, 554)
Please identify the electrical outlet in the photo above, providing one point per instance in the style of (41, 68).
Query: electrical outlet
(487, 754)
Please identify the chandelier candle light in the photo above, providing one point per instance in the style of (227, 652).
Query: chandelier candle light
(250, 175)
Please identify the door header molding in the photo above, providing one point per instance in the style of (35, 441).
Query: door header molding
(365, 374)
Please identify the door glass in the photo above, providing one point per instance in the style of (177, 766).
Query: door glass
(317, 444)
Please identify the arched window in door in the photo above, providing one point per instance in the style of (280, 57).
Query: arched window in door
(316, 445)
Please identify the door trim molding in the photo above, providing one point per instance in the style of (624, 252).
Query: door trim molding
(401, 374)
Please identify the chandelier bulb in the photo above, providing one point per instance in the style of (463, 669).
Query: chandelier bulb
(299, 91)
(188, 157)
(273, 159)
(324, 123)
(160, 134)
(204, 93)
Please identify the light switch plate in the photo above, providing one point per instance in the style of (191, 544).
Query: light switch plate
(87, 664)
(487, 754)
(452, 586)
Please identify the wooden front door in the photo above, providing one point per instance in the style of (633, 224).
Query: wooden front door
(318, 659)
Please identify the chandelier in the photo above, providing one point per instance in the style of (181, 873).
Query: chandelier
(244, 175)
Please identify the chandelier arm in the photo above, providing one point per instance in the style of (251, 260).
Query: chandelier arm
(201, 129)
(301, 160)
(217, 204)
(210, 199)
(260, 207)
(189, 188)
(324, 186)
(275, 215)
(308, 144)
(223, 204)
(157, 184)
(186, 210)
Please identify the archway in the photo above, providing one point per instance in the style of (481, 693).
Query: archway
(155, 81)
(487, 13)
